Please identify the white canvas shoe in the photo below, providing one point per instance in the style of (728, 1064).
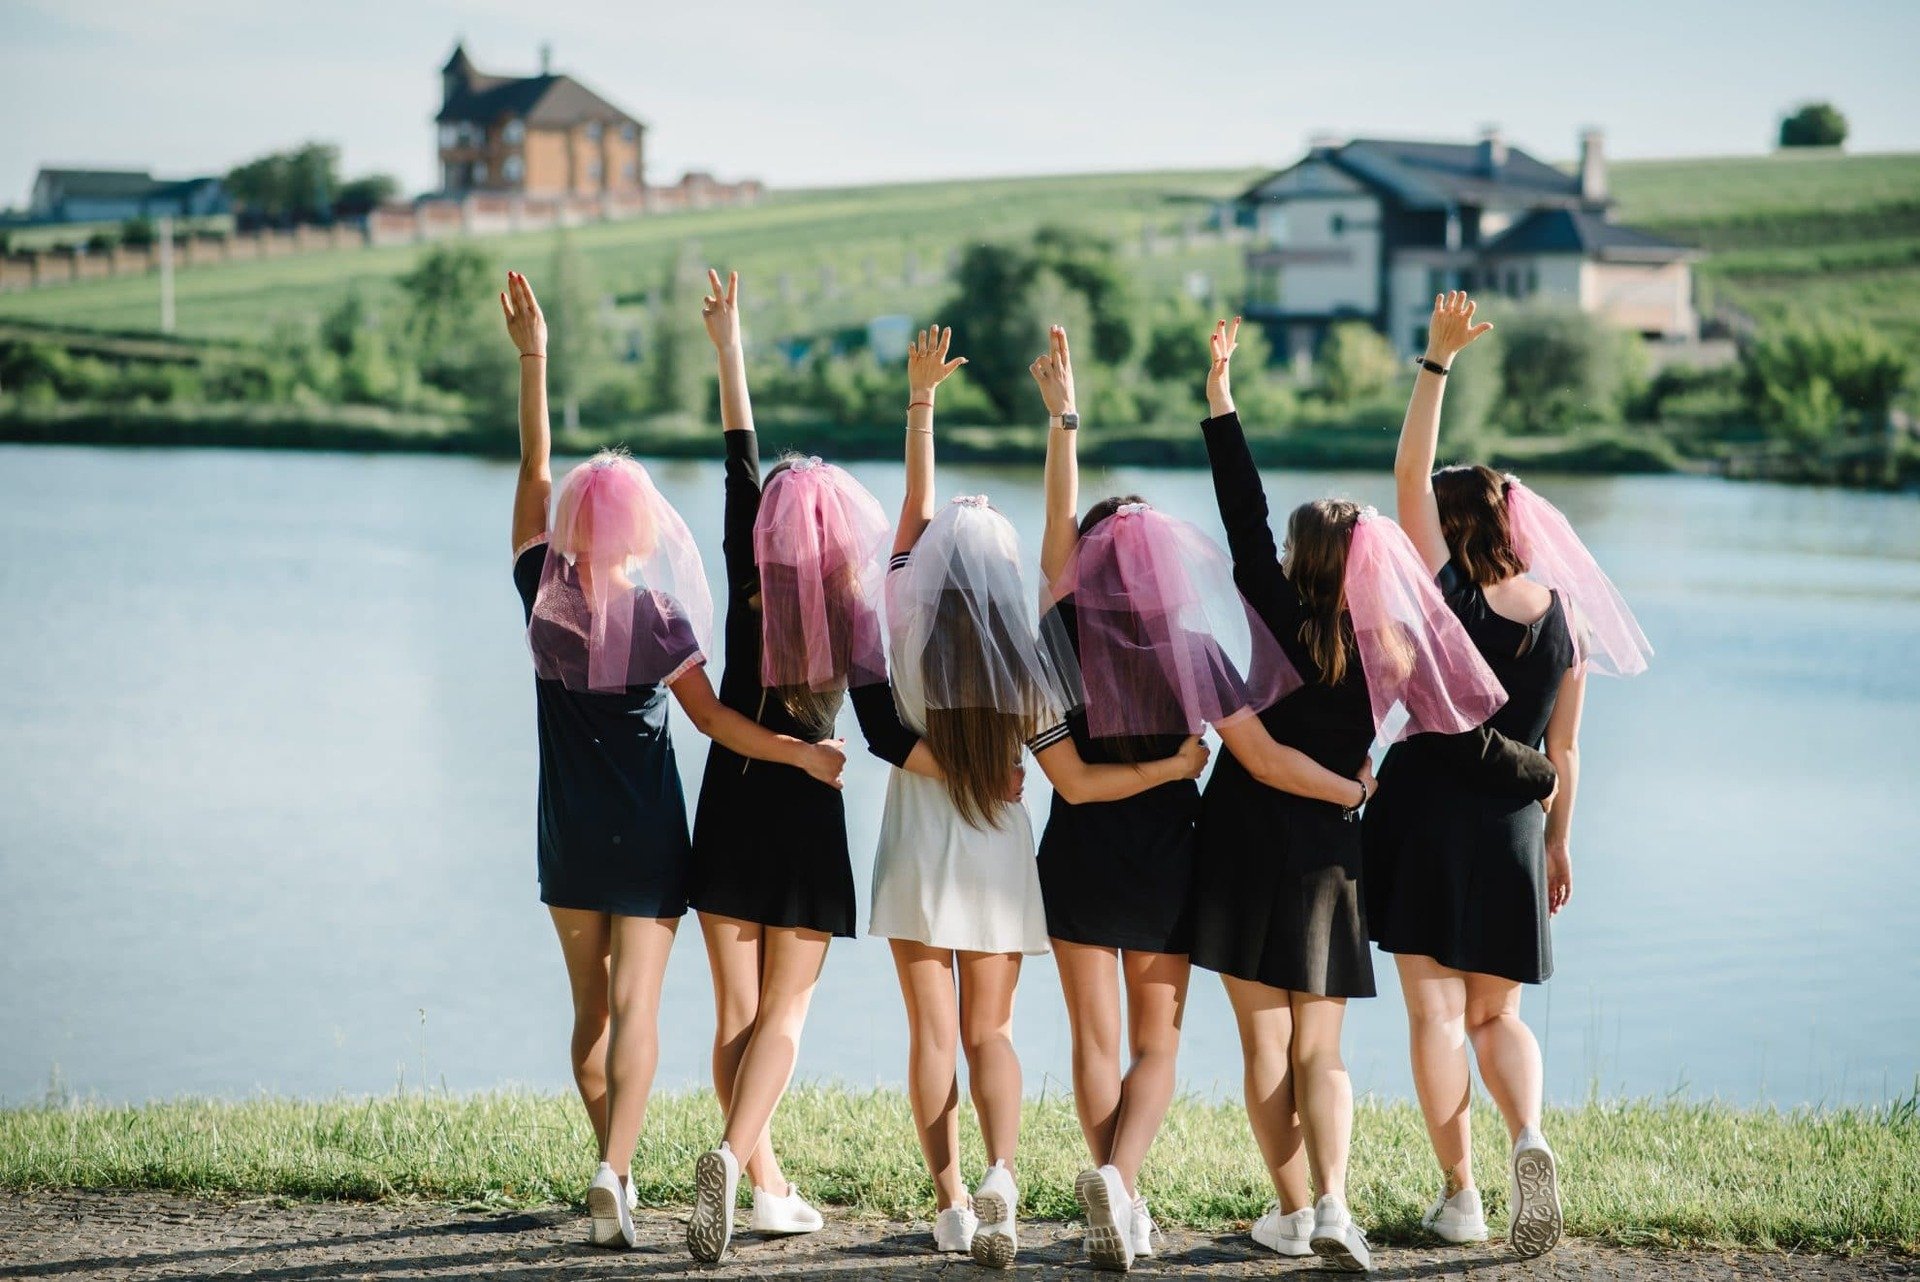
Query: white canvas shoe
(609, 1209)
(995, 1241)
(953, 1229)
(1103, 1195)
(716, 1183)
(1536, 1223)
(784, 1213)
(1337, 1239)
(1144, 1230)
(1459, 1219)
(1288, 1235)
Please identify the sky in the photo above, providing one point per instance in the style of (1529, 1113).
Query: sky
(823, 93)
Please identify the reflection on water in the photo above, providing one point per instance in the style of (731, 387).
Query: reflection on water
(267, 774)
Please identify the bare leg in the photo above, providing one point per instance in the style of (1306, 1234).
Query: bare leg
(639, 961)
(1156, 1003)
(1437, 1035)
(987, 983)
(1509, 1056)
(1089, 980)
(736, 957)
(1323, 1089)
(792, 959)
(1265, 1018)
(584, 942)
(933, 1080)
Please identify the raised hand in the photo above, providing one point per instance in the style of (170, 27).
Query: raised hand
(826, 761)
(927, 363)
(525, 325)
(1054, 373)
(1451, 327)
(1222, 345)
(720, 310)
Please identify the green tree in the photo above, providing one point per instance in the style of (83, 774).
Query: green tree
(1560, 367)
(288, 186)
(1355, 364)
(1085, 262)
(138, 233)
(678, 367)
(360, 196)
(1811, 383)
(578, 346)
(450, 329)
(1815, 124)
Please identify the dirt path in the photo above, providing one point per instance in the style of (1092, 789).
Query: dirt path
(157, 1235)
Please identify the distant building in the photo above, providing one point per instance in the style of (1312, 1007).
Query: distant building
(115, 195)
(544, 135)
(1372, 229)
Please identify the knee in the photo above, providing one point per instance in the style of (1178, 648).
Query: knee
(1441, 1024)
(1484, 1015)
(1317, 1056)
(980, 1037)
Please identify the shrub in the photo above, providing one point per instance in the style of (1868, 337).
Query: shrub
(1816, 124)
(1811, 383)
(1355, 364)
(1560, 368)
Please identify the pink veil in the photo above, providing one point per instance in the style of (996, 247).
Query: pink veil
(623, 598)
(818, 542)
(1609, 638)
(1166, 642)
(1424, 674)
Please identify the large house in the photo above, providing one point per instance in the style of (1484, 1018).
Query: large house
(1372, 229)
(115, 195)
(544, 135)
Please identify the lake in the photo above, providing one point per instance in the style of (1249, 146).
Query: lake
(267, 783)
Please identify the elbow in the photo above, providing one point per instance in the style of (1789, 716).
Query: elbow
(1565, 754)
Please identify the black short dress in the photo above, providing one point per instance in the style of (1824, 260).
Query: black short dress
(1456, 870)
(612, 817)
(769, 840)
(1118, 874)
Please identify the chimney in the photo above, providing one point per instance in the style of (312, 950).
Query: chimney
(546, 59)
(1593, 167)
(1493, 150)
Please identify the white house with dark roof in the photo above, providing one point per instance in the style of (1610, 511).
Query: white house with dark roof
(113, 195)
(1372, 229)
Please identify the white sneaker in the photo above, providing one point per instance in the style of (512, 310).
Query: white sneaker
(953, 1229)
(1536, 1223)
(995, 1241)
(1144, 1230)
(633, 1196)
(716, 1183)
(785, 1213)
(1288, 1235)
(1458, 1219)
(1103, 1195)
(1337, 1239)
(610, 1208)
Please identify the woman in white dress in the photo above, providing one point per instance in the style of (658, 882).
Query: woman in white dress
(955, 888)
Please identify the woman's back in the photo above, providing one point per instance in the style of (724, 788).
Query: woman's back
(1521, 630)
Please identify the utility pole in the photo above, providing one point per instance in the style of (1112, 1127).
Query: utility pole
(166, 274)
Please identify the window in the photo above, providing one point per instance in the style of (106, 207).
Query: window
(1436, 282)
(627, 132)
(593, 131)
(1533, 281)
(449, 135)
(479, 174)
(1337, 224)
(629, 172)
(514, 133)
(512, 169)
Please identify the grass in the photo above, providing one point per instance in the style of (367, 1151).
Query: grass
(1647, 1173)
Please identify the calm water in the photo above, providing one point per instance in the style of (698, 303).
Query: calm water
(267, 778)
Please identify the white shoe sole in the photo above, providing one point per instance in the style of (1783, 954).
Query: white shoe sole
(993, 1246)
(1109, 1246)
(603, 1205)
(1345, 1251)
(1537, 1219)
(711, 1228)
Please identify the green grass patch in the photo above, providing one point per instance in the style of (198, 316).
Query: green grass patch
(1638, 1173)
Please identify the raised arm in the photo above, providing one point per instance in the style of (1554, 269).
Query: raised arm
(1081, 783)
(1237, 490)
(1288, 769)
(1054, 373)
(1563, 749)
(1448, 332)
(534, 487)
(927, 368)
(720, 310)
(714, 719)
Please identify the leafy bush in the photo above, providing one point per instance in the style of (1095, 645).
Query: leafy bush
(1356, 363)
(1817, 124)
(1812, 383)
(1560, 368)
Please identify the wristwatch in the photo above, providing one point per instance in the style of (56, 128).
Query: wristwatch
(1070, 422)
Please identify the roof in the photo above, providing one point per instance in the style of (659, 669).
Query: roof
(99, 184)
(539, 100)
(1583, 232)
(1435, 175)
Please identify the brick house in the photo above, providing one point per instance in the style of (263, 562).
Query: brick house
(1372, 229)
(544, 135)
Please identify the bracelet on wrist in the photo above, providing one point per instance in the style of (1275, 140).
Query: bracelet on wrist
(914, 405)
(1431, 366)
(533, 356)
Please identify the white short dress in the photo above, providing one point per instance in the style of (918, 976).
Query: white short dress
(942, 882)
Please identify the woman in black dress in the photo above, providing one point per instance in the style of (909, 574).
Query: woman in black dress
(771, 876)
(1277, 903)
(1116, 872)
(1462, 881)
(613, 848)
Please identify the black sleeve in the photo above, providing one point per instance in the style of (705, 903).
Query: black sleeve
(742, 510)
(1243, 510)
(527, 568)
(1504, 766)
(887, 736)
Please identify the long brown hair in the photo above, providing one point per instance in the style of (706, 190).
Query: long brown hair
(1318, 533)
(1473, 519)
(977, 746)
